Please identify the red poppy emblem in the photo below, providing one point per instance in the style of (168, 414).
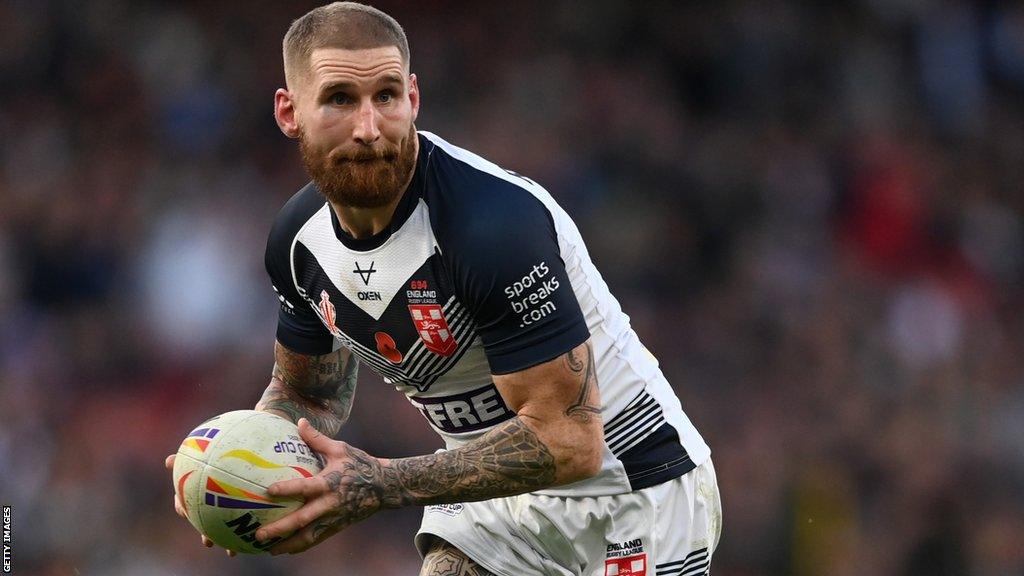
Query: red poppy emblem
(387, 348)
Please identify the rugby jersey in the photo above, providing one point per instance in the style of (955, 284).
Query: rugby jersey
(480, 272)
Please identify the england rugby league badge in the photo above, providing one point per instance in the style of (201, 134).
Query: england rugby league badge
(428, 317)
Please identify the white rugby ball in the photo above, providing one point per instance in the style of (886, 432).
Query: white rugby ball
(224, 466)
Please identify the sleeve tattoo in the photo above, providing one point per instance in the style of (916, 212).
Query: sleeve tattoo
(509, 459)
(318, 388)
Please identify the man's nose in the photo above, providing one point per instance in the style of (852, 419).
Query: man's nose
(367, 129)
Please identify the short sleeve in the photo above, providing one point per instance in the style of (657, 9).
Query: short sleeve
(298, 327)
(509, 272)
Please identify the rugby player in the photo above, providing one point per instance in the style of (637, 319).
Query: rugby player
(471, 291)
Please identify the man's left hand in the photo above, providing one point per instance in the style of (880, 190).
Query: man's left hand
(346, 491)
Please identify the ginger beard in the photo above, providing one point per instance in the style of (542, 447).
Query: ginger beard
(364, 178)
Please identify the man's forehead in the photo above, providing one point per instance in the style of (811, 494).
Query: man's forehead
(363, 63)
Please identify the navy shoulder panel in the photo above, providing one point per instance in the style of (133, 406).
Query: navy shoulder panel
(502, 251)
(295, 212)
(298, 327)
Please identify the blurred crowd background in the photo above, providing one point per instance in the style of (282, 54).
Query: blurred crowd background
(812, 211)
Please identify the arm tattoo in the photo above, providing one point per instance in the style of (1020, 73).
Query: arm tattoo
(443, 559)
(509, 459)
(582, 409)
(318, 388)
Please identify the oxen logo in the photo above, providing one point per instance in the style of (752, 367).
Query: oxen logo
(328, 313)
(364, 274)
(433, 328)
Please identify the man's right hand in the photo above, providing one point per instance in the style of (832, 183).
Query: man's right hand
(180, 508)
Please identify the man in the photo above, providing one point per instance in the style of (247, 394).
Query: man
(470, 290)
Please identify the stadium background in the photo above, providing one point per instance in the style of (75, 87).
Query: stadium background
(811, 211)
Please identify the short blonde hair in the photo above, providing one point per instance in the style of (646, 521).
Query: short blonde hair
(345, 25)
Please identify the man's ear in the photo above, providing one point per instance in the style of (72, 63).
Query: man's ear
(284, 113)
(414, 96)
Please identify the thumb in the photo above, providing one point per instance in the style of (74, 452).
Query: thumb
(316, 440)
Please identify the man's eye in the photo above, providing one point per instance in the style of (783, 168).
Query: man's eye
(339, 99)
(385, 97)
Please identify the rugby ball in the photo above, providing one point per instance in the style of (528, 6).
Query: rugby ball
(223, 468)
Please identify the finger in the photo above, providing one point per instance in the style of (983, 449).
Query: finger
(317, 441)
(297, 520)
(294, 544)
(209, 544)
(307, 488)
(307, 537)
(169, 462)
(178, 508)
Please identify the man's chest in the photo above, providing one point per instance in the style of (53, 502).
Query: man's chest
(394, 306)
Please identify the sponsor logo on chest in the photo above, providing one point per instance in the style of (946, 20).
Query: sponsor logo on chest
(465, 412)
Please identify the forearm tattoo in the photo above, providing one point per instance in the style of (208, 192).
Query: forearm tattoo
(507, 460)
(318, 388)
(583, 409)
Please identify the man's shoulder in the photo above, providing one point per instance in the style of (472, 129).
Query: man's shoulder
(472, 198)
(295, 213)
(466, 173)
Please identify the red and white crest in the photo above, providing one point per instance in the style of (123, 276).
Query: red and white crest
(433, 328)
(328, 313)
(627, 566)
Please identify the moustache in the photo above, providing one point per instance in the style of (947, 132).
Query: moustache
(365, 156)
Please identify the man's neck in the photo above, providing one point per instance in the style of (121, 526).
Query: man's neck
(367, 222)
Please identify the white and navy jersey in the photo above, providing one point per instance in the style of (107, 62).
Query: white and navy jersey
(480, 272)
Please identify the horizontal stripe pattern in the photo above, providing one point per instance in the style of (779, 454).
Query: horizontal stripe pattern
(696, 563)
(659, 458)
(641, 417)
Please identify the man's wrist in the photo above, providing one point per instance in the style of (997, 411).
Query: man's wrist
(279, 400)
(393, 493)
